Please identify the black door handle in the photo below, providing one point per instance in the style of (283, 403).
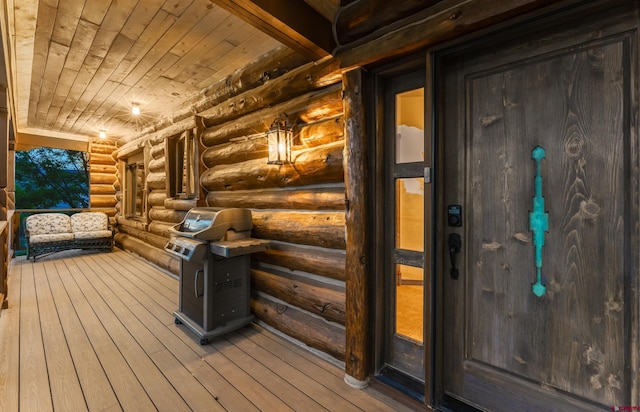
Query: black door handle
(455, 244)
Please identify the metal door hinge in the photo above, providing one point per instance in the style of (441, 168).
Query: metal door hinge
(427, 175)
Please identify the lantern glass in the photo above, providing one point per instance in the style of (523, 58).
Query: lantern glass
(279, 138)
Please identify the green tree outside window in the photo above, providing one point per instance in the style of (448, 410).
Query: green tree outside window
(48, 178)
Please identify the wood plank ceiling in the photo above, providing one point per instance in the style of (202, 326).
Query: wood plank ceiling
(76, 67)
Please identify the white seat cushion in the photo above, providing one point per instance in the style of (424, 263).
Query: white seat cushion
(89, 221)
(54, 237)
(93, 234)
(48, 224)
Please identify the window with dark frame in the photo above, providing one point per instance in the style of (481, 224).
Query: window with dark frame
(181, 165)
(135, 187)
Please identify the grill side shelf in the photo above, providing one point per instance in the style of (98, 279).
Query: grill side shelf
(231, 248)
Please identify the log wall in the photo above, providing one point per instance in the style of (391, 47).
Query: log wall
(298, 285)
(103, 176)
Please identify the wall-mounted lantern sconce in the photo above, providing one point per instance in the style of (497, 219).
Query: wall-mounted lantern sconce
(279, 140)
(102, 134)
(135, 109)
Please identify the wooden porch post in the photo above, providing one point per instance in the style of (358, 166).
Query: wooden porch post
(357, 261)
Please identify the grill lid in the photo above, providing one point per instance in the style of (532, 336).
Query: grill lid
(210, 223)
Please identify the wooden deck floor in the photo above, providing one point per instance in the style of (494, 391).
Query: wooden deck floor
(95, 331)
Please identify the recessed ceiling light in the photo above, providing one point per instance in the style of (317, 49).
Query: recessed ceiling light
(135, 109)
(103, 134)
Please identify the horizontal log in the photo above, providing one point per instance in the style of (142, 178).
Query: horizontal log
(367, 16)
(322, 132)
(180, 204)
(111, 212)
(310, 330)
(102, 159)
(157, 181)
(312, 166)
(102, 200)
(147, 237)
(157, 137)
(102, 168)
(123, 221)
(166, 215)
(154, 255)
(235, 152)
(157, 198)
(312, 76)
(132, 147)
(306, 198)
(102, 178)
(157, 151)
(102, 190)
(448, 19)
(255, 147)
(157, 165)
(324, 229)
(309, 107)
(160, 228)
(103, 148)
(270, 66)
(318, 261)
(325, 302)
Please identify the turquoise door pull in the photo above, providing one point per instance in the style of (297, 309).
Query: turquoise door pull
(538, 222)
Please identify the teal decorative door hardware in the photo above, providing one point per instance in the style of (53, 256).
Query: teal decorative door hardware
(538, 221)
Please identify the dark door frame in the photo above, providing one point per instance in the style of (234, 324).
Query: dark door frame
(378, 80)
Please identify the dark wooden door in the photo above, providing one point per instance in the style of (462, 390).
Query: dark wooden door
(570, 90)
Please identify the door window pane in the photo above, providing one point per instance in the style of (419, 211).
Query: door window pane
(410, 214)
(410, 126)
(409, 301)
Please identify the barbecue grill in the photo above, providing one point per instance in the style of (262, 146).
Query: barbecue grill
(214, 247)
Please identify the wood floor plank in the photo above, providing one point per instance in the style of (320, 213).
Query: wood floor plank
(161, 307)
(156, 280)
(10, 343)
(196, 396)
(96, 387)
(164, 284)
(160, 391)
(244, 381)
(128, 389)
(227, 395)
(324, 396)
(34, 380)
(206, 376)
(120, 302)
(65, 387)
(321, 370)
(114, 324)
(162, 278)
(286, 392)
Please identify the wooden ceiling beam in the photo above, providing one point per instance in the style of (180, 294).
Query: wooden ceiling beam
(27, 141)
(293, 23)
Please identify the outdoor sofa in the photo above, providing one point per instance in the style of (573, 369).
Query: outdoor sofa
(53, 232)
